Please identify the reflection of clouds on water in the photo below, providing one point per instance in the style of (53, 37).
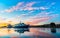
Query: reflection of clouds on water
(5, 31)
(34, 33)
(39, 32)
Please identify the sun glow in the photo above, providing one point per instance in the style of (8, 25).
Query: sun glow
(3, 24)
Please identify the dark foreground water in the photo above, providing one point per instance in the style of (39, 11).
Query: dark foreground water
(29, 33)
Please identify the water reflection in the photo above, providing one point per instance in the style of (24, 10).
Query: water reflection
(21, 30)
(53, 30)
(28, 32)
(53, 27)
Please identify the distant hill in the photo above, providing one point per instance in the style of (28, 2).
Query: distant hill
(43, 26)
(46, 26)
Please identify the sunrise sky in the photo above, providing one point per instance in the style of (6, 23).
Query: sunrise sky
(29, 11)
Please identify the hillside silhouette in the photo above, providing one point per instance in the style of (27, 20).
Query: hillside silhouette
(23, 25)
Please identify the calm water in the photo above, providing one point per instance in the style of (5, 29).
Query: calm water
(29, 33)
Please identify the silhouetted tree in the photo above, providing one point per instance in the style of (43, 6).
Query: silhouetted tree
(53, 29)
(52, 25)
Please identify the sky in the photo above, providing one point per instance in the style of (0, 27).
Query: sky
(29, 11)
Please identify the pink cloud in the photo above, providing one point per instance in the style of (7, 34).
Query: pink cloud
(30, 4)
(17, 6)
(14, 8)
(8, 10)
(41, 17)
(38, 20)
(27, 6)
(20, 6)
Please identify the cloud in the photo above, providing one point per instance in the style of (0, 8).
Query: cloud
(8, 10)
(30, 4)
(14, 8)
(43, 8)
(41, 17)
(22, 6)
(38, 18)
(25, 6)
(2, 19)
